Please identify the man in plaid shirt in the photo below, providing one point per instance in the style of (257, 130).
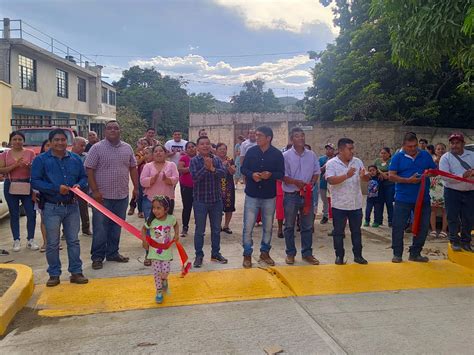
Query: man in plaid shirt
(207, 172)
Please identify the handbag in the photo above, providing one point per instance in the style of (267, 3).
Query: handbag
(22, 188)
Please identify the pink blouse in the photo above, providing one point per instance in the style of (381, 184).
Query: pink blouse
(18, 173)
(159, 187)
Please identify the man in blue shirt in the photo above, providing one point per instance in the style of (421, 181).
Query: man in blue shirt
(263, 166)
(53, 173)
(405, 170)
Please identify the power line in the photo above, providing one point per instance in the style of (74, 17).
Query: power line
(201, 55)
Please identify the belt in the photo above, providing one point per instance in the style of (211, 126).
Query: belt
(62, 203)
(292, 193)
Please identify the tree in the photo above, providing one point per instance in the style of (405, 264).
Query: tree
(160, 100)
(426, 33)
(132, 126)
(202, 103)
(354, 78)
(254, 99)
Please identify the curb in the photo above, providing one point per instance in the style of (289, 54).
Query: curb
(462, 258)
(16, 297)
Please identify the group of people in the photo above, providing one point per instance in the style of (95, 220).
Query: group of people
(287, 182)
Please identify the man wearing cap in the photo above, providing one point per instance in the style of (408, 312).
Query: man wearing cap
(323, 184)
(459, 196)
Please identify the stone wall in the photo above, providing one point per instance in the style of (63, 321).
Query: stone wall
(369, 137)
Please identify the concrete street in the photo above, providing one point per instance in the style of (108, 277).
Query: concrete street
(417, 321)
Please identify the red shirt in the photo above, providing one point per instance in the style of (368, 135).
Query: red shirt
(186, 178)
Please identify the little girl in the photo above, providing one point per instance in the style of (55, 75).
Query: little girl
(158, 227)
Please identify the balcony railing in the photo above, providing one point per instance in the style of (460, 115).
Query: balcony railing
(22, 30)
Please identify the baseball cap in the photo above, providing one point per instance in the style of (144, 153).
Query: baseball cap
(456, 135)
(330, 145)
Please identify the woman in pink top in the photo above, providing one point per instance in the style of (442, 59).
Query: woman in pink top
(15, 165)
(158, 178)
(186, 185)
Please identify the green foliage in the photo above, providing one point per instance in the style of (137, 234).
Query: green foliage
(355, 79)
(160, 100)
(132, 125)
(202, 103)
(424, 33)
(254, 99)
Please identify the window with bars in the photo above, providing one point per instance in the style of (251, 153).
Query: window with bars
(27, 71)
(81, 89)
(61, 83)
(112, 97)
(104, 95)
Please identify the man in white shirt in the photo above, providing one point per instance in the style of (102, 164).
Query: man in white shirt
(175, 146)
(250, 142)
(459, 196)
(343, 174)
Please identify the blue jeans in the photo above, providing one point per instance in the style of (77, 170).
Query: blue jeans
(339, 221)
(294, 203)
(13, 202)
(377, 206)
(251, 208)
(70, 218)
(460, 214)
(106, 233)
(201, 210)
(401, 214)
(388, 196)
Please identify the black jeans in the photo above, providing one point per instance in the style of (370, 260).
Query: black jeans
(460, 214)
(377, 206)
(187, 197)
(339, 221)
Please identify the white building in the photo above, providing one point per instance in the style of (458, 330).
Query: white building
(52, 85)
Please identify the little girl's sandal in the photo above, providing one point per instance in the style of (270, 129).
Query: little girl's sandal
(147, 262)
(159, 297)
(443, 235)
(432, 235)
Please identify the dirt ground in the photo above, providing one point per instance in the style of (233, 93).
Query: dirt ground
(7, 277)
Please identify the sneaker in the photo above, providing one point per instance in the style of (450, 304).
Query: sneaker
(16, 245)
(324, 220)
(184, 232)
(419, 258)
(375, 225)
(366, 224)
(455, 246)
(198, 262)
(397, 259)
(32, 245)
(466, 246)
(219, 259)
(159, 297)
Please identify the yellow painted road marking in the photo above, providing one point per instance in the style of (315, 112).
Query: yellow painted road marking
(137, 292)
(462, 258)
(353, 278)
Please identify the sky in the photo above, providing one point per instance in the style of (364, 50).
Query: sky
(216, 45)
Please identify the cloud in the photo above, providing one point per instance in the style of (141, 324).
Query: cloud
(280, 75)
(289, 15)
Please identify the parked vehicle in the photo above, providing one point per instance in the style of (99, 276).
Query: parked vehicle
(469, 147)
(35, 136)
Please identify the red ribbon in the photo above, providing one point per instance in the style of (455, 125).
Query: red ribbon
(307, 192)
(186, 265)
(421, 194)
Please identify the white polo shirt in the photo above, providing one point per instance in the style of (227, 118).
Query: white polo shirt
(450, 164)
(348, 194)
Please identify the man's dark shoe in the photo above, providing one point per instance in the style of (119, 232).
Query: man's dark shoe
(265, 257)
(219, 259)
(78, 279)
(331, 233)
(360, 260)
(97, 265)
(397, 259)
(198, 262)
(290, 259)
(340, 260)
(324, 220)
(456, 246)
(466, 247)
(247, 264)
(87, 232)
(310, 259)
(419, 258)
(53, 281)
(119, 259)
